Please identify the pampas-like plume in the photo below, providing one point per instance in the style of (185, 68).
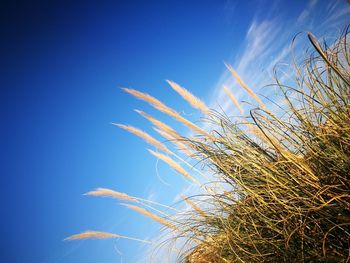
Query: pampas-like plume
(151, 215)
(245, 86)
(233, 99)
(167, 110)
(111, 193)
(102, 235)
(145, 136)
(173, 164)
(181, 146)
(189, 97)
(167, 132)
(161, 125)
(193, 205)
(92, 234)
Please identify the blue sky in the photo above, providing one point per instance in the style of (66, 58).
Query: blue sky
(62, 66)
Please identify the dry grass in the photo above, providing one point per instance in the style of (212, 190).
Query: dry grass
(245, 86)
(102, 235)
(193, 205)
(173, 164)
(151, 215)
(92, 234)
(167, 110)
(104, 192)
(233, 99)
(167, 132)
(189, 97)
(283, 178)
(145, 136)
(161, 125)
(181, 144)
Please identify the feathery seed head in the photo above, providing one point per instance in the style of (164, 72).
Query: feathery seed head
(233, 99)
(189, 97)
(102, 235)
(150, 215)
(193, 205)
(173, 164)
(178, 141)
(145, 136)
(92, 234)
(245, 86)
(110, 193)
(167, 110)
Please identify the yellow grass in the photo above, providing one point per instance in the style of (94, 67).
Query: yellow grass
(173, 164)
(102, 235)
(112, 193)
(245, 86)
(92, 234)
(233, 99)
(145, 136)
(150, 215)
(167, 110)
(194, 206)
(280, 185)
(181, 146)
(189, 97)
(161, 125)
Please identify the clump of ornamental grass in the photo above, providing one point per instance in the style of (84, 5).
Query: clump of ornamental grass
(280, 187)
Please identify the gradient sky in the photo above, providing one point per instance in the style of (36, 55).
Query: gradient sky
(62, 66)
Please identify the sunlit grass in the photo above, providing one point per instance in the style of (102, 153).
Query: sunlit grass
(280, 188)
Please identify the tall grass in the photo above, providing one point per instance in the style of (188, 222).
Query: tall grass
(282, 179)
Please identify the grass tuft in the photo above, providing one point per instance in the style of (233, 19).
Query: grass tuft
(280, 181)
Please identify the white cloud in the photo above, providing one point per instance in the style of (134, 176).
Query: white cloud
(303, 16)
(312, 3)
(307, 12)
(336, 16)
(268, 43)
(263, 38)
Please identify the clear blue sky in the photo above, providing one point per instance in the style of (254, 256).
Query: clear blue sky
(62, 63)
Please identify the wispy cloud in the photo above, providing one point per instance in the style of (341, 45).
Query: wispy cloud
(268, 42)
(307, 12)
(336, 13)
(262, 43)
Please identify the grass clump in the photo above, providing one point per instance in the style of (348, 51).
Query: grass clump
(280, 187)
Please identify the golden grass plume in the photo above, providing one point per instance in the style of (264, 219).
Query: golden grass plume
(89, 234)
(193, 205)
(161, 125)
(245, 86)
(151, 215)
(92, 234)
(105, 192)
(145, 136)
(233, 99)
(181, 144)
(173, 164)
(189, 97)
(167, 110)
